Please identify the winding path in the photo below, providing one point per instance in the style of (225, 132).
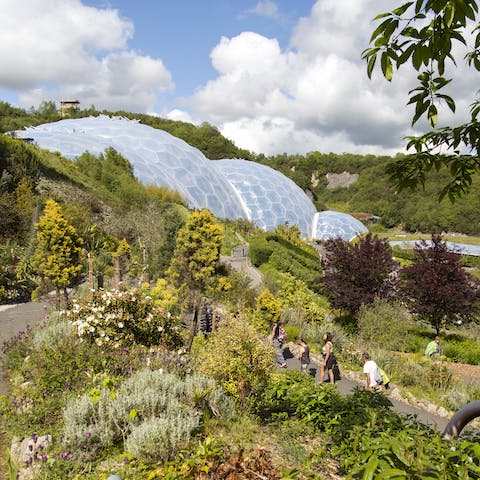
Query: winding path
(15, 318)
(346, 386)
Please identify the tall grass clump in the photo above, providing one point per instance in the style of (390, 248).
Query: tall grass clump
(384, 324)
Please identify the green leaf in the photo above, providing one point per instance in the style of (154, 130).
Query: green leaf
(371, 65)
(370, 468)
(401, 10)
(381, 28)
(417, 58)
(386, 64)
(133, 414)
(449, 14)
(448, 100)
(432, 115)
(392, 473)
(420, 110)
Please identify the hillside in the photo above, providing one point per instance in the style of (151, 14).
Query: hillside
(367, 190)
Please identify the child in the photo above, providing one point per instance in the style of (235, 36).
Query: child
(304, 356)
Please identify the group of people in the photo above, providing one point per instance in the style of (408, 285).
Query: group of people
(374, 375)
(329, 362)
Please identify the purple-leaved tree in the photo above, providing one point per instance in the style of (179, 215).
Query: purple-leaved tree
(436, 286)
(357, 273)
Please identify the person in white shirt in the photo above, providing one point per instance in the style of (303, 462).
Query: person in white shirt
(371, 371)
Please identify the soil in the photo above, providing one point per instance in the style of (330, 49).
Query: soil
(467, 372)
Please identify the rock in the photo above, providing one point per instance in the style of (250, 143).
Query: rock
(29, 454)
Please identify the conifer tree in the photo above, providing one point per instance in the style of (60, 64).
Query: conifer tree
(196, 254)
(58, 253)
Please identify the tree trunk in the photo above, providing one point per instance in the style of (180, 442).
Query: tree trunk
(116, 272)
(193, 328)
(91, 285)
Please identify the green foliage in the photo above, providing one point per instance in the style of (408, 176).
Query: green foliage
(58, 250)
(237, 357)
(462, 350)
(153, 412)
(121, 318)
(13, 288)
(267, 310)
(260, 250)
(295, 297)
(426, 35)
(384, 324)
(412, 454)
(286, 256)
(197, 251)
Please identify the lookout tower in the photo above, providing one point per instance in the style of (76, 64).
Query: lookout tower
(67, 107)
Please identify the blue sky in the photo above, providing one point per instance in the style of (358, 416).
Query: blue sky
(184, 32)
(274, 76)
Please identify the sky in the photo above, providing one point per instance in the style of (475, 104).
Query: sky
(274, 76)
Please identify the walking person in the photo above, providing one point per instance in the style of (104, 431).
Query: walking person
(304, 356)
(329, 360)
(278, 336)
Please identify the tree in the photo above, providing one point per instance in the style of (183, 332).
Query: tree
(437, 287)
(58, 251)
(238, 357)
(357, 274)
(425, 34)
(267, 310)
(195, 258)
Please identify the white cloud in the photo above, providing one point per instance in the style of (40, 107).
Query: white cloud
(265, 8)
(61, 48)
(312, 95)
(180, 115)
(315, 95)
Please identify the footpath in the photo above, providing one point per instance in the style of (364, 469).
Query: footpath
(351, 380)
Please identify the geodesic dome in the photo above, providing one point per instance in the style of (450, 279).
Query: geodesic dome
(229, 188)
(330, 224)
(270, 198)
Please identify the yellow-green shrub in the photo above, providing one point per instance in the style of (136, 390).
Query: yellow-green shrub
(237, 356)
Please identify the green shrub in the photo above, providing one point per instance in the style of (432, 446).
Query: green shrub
(384, 324)
(439, 377)
(51, 335)
(290, 393)
(159, 438)
(160, 406)
(462, 351)
(237, 356)
(260, 250)
(292, 333)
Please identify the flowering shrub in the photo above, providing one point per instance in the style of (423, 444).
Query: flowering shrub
(120, 318)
